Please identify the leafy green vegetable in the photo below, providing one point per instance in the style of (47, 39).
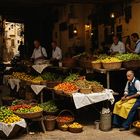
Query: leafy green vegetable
(128, 56)
(71, 78)
(51, 76)
(49, 106)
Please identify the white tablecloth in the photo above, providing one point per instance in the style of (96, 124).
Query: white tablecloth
(14, 83)
(81, 100)
(7, 129)
(40, 68)
(37, 88)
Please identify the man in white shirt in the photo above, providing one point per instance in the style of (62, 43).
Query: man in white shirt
(117, 46)
(136, 40)
(56, 53)
(39, 53)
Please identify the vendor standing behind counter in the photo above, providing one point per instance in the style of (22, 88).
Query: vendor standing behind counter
(56, 53)
(39, 53)
(135, 39)
(117, 46)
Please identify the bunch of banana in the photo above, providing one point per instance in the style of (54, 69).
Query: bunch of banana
(37, 80)
(111, 60)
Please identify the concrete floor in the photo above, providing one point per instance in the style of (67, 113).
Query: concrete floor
(89, 133)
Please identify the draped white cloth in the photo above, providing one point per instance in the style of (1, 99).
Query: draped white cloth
(7, 129)
(81, 100)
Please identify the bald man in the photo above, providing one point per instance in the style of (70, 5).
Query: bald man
(117, 46)
(125, 109)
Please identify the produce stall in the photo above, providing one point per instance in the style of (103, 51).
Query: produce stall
(10, 124)
(83, 92)
(60, 81)
(119, 62)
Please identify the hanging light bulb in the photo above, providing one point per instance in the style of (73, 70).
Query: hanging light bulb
(112, 15)
(91, 33)
(75, 31)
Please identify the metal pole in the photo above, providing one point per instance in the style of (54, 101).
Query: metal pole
(108, 80)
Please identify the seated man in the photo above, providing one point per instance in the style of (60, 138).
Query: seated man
(125, 109)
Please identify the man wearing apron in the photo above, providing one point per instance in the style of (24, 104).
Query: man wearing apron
(125, 109)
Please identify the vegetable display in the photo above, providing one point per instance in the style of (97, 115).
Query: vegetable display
(4, 112)
(49, 106)
(111, 60)
(22, 76)
(71, 78)
(96, 61)
(95, 86)
(12, 119)
(25, 108)
(7, 116)
(137, 124)
(128, 56)
(18, 107)
(66, 87)
(48, 76)
(75, 125)
(64, 119)
(38, 79)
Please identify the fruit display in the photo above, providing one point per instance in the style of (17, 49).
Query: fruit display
(4, 112)
(111, 60)
(128, 56)
(93, 85)
(65, 126)
(97, 61)
(83, 84)
(37, 80)
(137, 124)
(18, 107)
(64, 119)
(48, 76)
(24, 108)
(49, 106)
(11, 119)
(22, 76)
(7, 116)
(66, 87)
(71, 78)
(75, 125)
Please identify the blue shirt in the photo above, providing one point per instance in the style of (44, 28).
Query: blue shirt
(137, 49)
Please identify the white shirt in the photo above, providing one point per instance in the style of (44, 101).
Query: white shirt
(57, 53)
(137, 86)
(40, 52)
(120, 47)
(137, 49)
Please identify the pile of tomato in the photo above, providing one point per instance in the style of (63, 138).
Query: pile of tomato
(66, 87)
(16, 107)
(64, 119)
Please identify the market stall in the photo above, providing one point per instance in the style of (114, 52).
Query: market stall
(77, 88)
